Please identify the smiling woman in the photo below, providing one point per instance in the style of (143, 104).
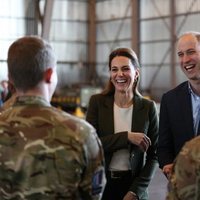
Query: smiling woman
(127, 125)
(123, 74)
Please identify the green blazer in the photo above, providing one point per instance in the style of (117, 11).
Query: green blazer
(144, 119)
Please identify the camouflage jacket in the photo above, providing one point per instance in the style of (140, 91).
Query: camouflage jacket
(46, 153)
(185, 180)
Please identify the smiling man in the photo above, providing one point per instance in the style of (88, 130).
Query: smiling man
(180, 107)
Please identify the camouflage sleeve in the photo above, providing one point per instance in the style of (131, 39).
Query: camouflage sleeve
(94, 175)
(185, 180)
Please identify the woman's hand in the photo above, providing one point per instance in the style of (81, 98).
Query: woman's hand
(139, 139)
(130, 196)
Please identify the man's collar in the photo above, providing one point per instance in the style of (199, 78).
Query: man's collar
(191, 91)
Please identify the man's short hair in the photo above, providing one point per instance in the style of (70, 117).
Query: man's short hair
(28, 58)
(194, 33)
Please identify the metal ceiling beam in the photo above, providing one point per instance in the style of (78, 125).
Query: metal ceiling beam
(46, 22)
(135, 26)
(173, 41)
(32, 17)
(92, 39)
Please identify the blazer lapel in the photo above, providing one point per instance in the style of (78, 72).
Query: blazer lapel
(136, 116)
(108, 113)
(186, 106)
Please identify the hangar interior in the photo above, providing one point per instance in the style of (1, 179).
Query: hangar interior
(83, 32)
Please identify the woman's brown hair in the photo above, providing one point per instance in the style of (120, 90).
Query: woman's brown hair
(126, 52)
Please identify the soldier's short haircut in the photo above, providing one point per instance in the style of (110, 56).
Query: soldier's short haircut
(28, 58)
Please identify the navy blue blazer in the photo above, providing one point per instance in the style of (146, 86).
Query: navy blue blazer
(175, 124)
(144, 119)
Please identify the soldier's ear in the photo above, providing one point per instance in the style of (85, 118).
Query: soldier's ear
(48, 74)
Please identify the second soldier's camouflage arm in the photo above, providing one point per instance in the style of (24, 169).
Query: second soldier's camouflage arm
(185, 179)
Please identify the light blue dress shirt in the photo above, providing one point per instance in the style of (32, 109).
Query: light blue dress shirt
(195, 109)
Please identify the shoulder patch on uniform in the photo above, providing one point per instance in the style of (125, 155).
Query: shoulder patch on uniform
(98, 182)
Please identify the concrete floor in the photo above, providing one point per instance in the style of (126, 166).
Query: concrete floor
(158, 186)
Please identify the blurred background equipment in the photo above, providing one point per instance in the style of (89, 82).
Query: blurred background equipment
(74, 100)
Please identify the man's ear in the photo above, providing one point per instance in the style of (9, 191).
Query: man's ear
(48, 74)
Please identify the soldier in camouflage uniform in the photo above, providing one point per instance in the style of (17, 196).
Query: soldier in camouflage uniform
(185, 180)
(45, 153)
